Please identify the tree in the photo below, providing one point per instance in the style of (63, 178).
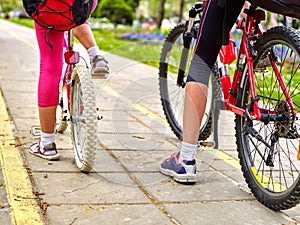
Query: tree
(161, 12)
(133, 3)
(8, 5)
(181, 10)
(117, 11)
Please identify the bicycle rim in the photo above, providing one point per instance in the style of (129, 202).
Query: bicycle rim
(62, 124)
(61, 119)
(83, 119)
(172, 95)
(271, 167)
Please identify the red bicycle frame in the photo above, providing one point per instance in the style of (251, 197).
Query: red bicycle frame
(251, 29)
(71, 58)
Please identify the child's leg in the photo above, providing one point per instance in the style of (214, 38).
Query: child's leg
(85, 35)
(51, 62)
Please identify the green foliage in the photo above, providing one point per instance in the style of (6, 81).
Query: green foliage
(8, 5)
(117, 11)
(133, 3)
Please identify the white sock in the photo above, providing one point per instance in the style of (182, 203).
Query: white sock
(47, 138)
(93, 51)
(188, 151)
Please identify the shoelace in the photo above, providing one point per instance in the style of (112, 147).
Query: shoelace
(171, 156)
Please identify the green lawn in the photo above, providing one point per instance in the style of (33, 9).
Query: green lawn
(110, 41)
(148, 53)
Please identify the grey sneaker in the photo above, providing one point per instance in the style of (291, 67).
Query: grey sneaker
(99, 67)
(48, 152)
(183, 172)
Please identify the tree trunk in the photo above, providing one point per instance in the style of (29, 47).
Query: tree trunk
(161, 12)
(181, 10)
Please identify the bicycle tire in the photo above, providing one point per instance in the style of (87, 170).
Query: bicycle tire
(272, 172)
(62, 125)
(172, 95)
(83, 118)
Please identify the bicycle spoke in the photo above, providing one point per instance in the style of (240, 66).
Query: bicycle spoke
(268, 153)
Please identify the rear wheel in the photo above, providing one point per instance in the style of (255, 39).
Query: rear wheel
(172, 94)
(83, 119)
(62, 121)
(62, 117)
(269, 149)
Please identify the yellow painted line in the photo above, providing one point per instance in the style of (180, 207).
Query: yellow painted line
(226, 157)
(15, 35)
(138, 107)
(23, 206)
(220, 154)
(263, 180)
(258, 178)
(216, 152)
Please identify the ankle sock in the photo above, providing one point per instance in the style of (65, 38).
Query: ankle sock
(93, 51)
(188, 151)
(47, 138)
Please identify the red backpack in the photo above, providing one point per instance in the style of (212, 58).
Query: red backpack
(59, 15)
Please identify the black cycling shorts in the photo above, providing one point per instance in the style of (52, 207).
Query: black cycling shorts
(215, 24)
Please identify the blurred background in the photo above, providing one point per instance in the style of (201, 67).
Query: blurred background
(134, 29)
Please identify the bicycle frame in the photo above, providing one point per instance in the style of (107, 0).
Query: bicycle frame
(246, 55)
(71, 58)
(251, 30)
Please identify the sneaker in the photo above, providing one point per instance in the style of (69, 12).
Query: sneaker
(183, 172)
(48, 152)
(99, 67)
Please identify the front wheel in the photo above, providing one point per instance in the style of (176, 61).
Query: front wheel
(269, 150)
(83, 119)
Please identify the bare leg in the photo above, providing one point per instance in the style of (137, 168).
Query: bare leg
(99, 64)
(194, 107)
(47, 118)
(84, 34)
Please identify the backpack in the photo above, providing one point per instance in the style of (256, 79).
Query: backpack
(58, 15)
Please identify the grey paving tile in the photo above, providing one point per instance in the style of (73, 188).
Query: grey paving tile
(107, 215)
(78, 188)
(227, 212)
(210, 186)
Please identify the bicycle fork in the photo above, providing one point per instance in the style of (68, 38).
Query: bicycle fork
(187, 39)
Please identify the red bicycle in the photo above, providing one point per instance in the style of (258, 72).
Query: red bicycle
(263, 93)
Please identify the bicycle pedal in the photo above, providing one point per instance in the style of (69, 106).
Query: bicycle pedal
(206, 143)
(35, 130)
(99, 117)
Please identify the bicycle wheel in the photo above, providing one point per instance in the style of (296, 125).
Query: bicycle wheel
(172, 95)
(268, 149)
(61, 123)
(83, 119)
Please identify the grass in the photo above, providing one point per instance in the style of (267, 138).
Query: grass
(110, 41)
(24, 22)
(148, 53)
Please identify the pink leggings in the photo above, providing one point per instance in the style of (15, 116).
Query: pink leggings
(51, 62)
